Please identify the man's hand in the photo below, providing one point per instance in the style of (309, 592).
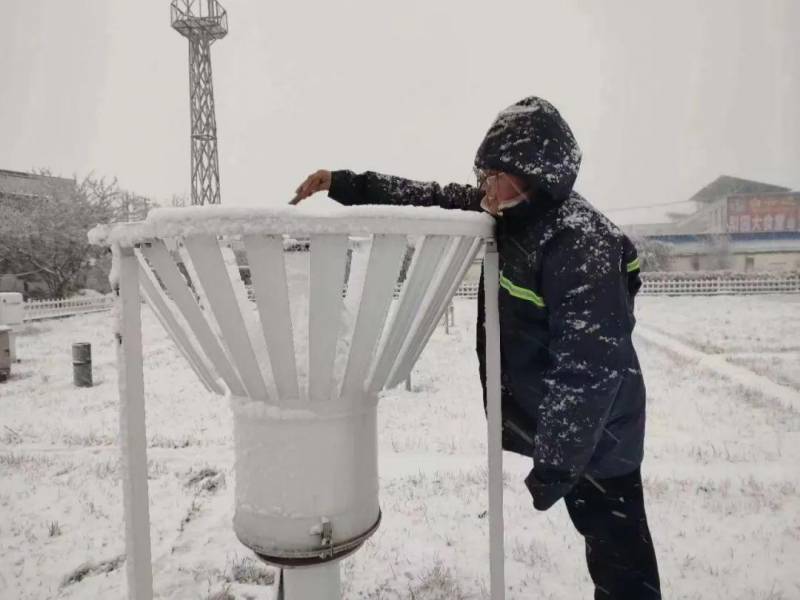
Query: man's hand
(548, 486)
(316, 182)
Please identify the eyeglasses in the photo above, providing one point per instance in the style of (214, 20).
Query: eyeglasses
(486, 177)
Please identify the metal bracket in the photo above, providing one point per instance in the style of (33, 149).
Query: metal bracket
(326, 539)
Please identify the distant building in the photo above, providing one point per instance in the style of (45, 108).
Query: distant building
(16, 190)
(738, 224)
(17, 187)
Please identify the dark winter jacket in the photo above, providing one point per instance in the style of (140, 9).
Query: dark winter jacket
(573, 397)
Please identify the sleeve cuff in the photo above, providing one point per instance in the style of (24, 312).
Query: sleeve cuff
(341, 187)
(547, 487)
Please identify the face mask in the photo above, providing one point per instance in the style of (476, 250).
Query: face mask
(483, 179)
(510, 203)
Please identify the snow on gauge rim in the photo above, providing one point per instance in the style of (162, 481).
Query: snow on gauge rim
(336, 219)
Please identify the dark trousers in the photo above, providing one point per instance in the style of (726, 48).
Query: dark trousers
(609, 514)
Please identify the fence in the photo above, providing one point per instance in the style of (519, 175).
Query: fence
(65, 307)
(467, 290)
(661, 286)
(688, 286)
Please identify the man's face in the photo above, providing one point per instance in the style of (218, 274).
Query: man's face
(500, 190)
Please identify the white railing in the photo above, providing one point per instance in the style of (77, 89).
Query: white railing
(677, 286)
(694, 287)
(65, 307)
(719, 286)
(467, 290)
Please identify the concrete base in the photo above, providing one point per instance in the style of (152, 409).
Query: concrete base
(321, 582)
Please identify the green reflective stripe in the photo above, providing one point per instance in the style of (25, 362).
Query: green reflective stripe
(521, 292)
(633, 265)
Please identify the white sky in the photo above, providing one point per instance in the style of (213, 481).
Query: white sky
(663, 96)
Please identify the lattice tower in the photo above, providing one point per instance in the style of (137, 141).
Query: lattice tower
(202, 22)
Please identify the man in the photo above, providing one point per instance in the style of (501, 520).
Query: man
(573, 396)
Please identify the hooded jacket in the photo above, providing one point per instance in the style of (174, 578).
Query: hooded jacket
(573, 396)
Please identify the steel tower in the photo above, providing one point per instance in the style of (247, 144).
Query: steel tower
(202, 22)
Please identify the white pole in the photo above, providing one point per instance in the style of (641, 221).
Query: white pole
(132, 428)
(491, 279)
(320, 582)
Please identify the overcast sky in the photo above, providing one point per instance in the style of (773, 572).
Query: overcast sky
(662, 96)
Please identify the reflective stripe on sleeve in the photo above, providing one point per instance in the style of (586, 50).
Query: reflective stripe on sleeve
(634, 265)
(521, 292)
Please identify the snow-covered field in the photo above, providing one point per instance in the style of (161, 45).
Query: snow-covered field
(721, 470)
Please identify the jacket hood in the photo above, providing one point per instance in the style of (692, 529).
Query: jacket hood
(532, 140)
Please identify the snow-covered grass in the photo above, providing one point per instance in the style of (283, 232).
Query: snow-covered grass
(722, 483)
(727, 324)
(760, 333)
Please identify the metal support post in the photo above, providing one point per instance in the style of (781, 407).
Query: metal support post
(132, 428)
(491, 278)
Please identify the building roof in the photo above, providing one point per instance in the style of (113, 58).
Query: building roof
(676, 217)
(737, 243)
(725, 185)
(16, 184)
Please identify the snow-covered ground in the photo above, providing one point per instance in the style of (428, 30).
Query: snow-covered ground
(721, 470)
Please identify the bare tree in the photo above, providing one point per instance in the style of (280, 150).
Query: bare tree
(653, 254)
(178, 200)
(46, 236)
(720, 250)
